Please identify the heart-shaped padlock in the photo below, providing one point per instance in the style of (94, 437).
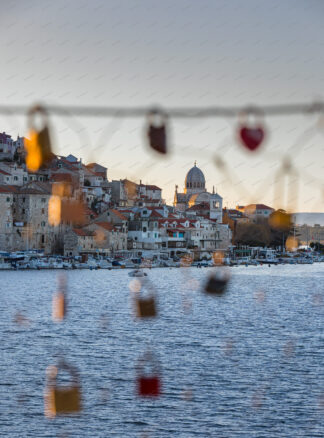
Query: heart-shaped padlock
(251, 133)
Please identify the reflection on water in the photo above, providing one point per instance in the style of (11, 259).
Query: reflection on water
(247, 364)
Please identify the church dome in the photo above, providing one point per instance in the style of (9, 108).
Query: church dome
(195, 179)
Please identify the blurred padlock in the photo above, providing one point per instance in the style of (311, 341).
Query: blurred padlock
(148, 382)
(59, 309)
(251, 133)
(280, 220)
(156, 132)
(54, 210)
(38, 146)
(73, 211)
(186, 261)
(217, 283)
(146, 305)
(62, 399)
(63, 189)
(59, 306)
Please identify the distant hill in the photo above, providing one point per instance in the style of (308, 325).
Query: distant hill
(309, 218)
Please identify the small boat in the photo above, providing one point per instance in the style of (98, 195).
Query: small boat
(137, 273)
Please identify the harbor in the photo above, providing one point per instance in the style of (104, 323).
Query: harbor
(36, 260)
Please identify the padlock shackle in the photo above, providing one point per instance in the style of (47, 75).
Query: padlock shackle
(148, 358)
(244, 117)
(159, 114)
(148, 285)
(72, 370)
(37, 109)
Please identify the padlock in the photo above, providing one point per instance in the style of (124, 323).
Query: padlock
(63, 189)
(62, 399)
(251, 134)
(148, 384)
(280, 220)
(217, 284)
(54, 210)
(59, 305)
(156, 132)
(145, 306)
(38, 146)
(73, 211)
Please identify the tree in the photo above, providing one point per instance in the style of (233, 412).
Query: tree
(253, 234)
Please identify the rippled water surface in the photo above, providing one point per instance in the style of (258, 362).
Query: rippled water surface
(249, 364)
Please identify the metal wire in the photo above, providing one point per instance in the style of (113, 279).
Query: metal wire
(213, 111)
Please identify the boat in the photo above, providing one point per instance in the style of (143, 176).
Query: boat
(137, 273)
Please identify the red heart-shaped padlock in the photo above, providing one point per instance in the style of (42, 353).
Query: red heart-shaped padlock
(251, 137)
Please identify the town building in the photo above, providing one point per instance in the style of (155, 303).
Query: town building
(256, 212)
(195, 193)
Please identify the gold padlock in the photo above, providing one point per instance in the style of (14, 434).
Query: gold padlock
(145, 306)
(59, 304)
(62, 400)
(280, 220)
(38, 146)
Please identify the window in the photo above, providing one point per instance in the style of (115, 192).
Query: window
(43, 210)
(43, 238)
(25, 178)
(23, 210)
(144, 229)
(174, 234)
(43, 199)
(8, 199)
(43, 224)
(8, 224)
(15, 178)
(7, 178)
(24, 199)
(180, 234)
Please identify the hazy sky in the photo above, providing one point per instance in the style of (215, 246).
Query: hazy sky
(173, 53)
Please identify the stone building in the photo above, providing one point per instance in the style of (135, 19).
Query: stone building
(195, 193)
(78, 241)
(7, 202)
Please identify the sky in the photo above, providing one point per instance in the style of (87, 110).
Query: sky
(184, 53)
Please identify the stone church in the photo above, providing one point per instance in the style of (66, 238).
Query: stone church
(195, 193)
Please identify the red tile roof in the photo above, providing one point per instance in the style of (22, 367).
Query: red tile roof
(4, 173)
(59, 177)
(257, 207)
(155, 214)
(8, 189)
(106, 225)
(119, 214)
(82, 232)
